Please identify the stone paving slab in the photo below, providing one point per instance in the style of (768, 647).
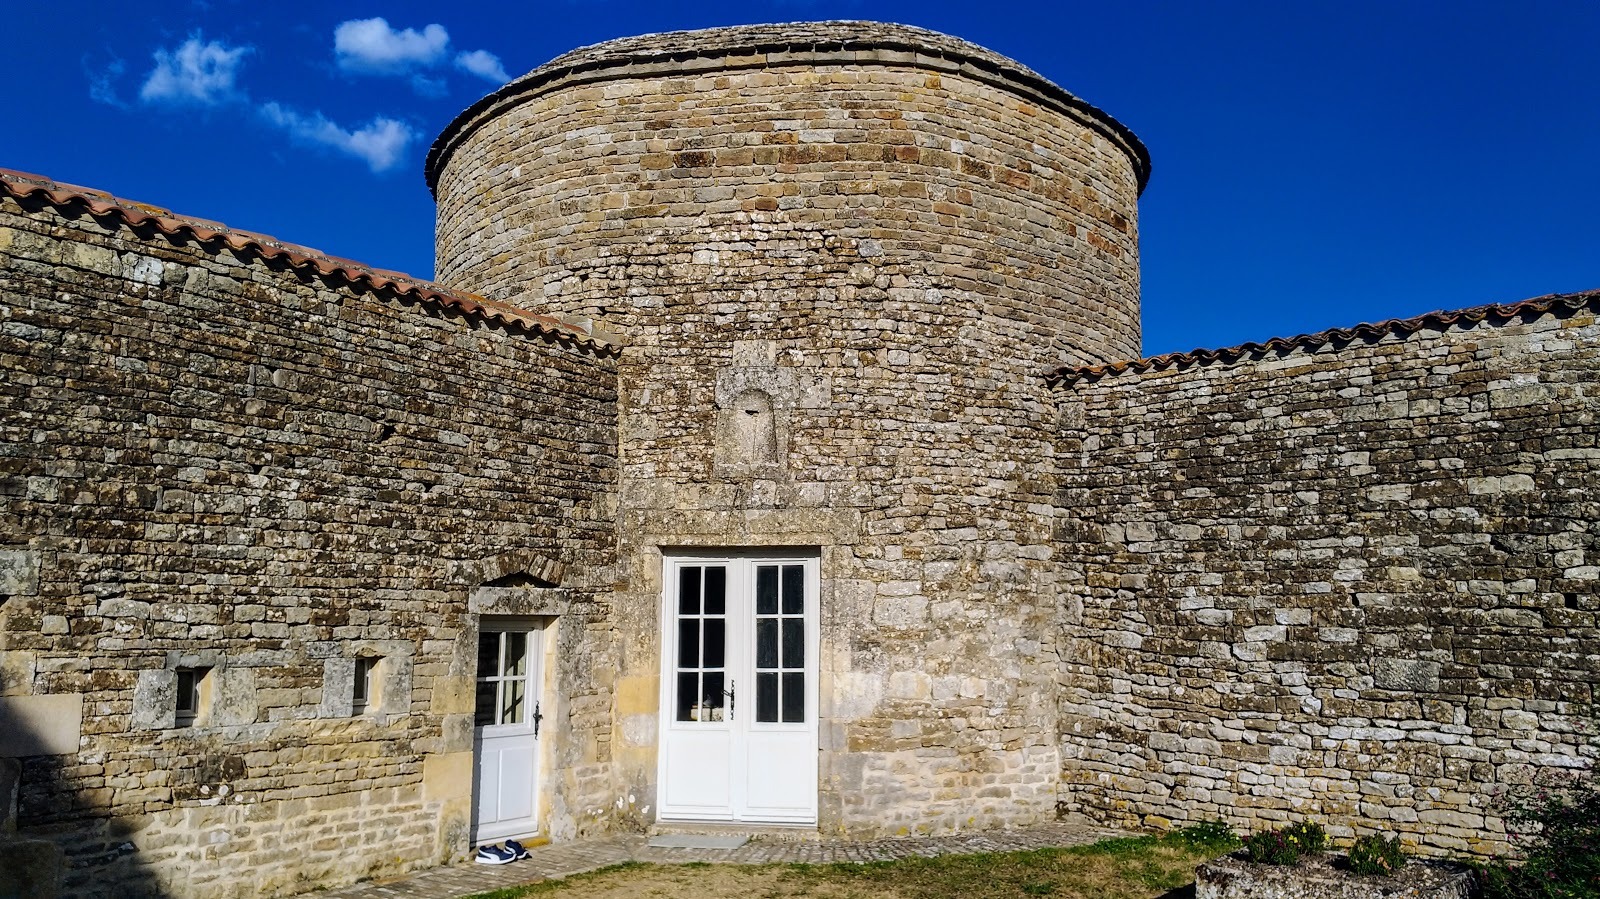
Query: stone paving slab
(696, 841)
(562, 859)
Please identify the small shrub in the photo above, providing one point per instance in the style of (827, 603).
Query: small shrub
(1285, 846)
(1560, 832)
(1272, 847)
(1376, 856)
(1308, 835)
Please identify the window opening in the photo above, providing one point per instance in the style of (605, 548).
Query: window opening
(364, 688)
(703, 693)
(780, 644)
(503, 679)
(192, 693)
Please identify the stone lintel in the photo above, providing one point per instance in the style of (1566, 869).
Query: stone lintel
(522, 601)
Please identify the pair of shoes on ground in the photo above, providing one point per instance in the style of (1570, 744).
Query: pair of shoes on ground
(498, 855)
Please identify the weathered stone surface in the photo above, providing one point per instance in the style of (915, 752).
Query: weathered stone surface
(19, 573)
(155, 700)
(840, 280)
(44, 724)
(10, 780)
(1412, 643)
(219, 463)
(30, 869)
(1320, 876)
(1354, 581)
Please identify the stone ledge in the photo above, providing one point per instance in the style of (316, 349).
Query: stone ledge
(1318, 877)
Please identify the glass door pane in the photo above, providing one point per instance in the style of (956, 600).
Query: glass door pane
(504, 670)
(702, 626)
(780, 644)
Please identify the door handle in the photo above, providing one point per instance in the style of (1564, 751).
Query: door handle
(733, 686)
(536, 719)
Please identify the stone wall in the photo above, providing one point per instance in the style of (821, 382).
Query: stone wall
(1353, 579)
(879, 250)
(220, 454)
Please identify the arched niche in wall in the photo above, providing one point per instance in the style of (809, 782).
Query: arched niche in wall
(750, 439)
(754, 431)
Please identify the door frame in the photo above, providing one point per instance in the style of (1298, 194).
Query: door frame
(540, 630)
(746, 702)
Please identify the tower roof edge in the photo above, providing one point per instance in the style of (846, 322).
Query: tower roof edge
(761, 46)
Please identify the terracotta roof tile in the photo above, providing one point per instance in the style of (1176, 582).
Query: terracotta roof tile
(1280, 346)
(28, 187)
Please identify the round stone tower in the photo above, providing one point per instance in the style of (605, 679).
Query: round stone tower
(842, 256)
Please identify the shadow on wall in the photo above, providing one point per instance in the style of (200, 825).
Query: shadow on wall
(54, 840)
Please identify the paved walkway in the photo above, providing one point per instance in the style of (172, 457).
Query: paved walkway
(562, 859)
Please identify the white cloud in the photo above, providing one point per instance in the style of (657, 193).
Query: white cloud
(381, 143)
(484, 64)
(370, 46)
(198, 71)
(103, 82)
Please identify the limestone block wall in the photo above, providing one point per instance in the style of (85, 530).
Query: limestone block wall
(1354, 579)
(734, 167)
(216, 457)
(878, 238)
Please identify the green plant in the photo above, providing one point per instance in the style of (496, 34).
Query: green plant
(1285, 846)
(1308, 835)
(1213, 835)
(1271, 847)
(1375, 855)
(1559, 831)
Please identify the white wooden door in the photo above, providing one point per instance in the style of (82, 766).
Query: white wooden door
(506, 723)
(739, 690)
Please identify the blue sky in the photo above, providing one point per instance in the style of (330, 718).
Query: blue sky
(1315, 164)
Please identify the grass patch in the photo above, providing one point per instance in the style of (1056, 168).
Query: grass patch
(546, 887)
(1123, 868)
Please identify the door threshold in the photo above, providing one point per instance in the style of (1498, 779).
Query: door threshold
(779, 833)
(528, 838)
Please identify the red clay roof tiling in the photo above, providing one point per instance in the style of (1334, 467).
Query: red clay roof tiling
(1401, 327)
(24, 186)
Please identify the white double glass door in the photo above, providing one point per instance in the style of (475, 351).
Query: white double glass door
(507, 721)
(739, 690)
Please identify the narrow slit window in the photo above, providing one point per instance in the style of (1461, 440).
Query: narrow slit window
(193, 690)
(364, 689)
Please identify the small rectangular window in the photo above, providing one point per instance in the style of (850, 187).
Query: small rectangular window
(364, 690)
(193, 691)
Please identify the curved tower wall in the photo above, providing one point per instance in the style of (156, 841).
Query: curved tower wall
(884, 237)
